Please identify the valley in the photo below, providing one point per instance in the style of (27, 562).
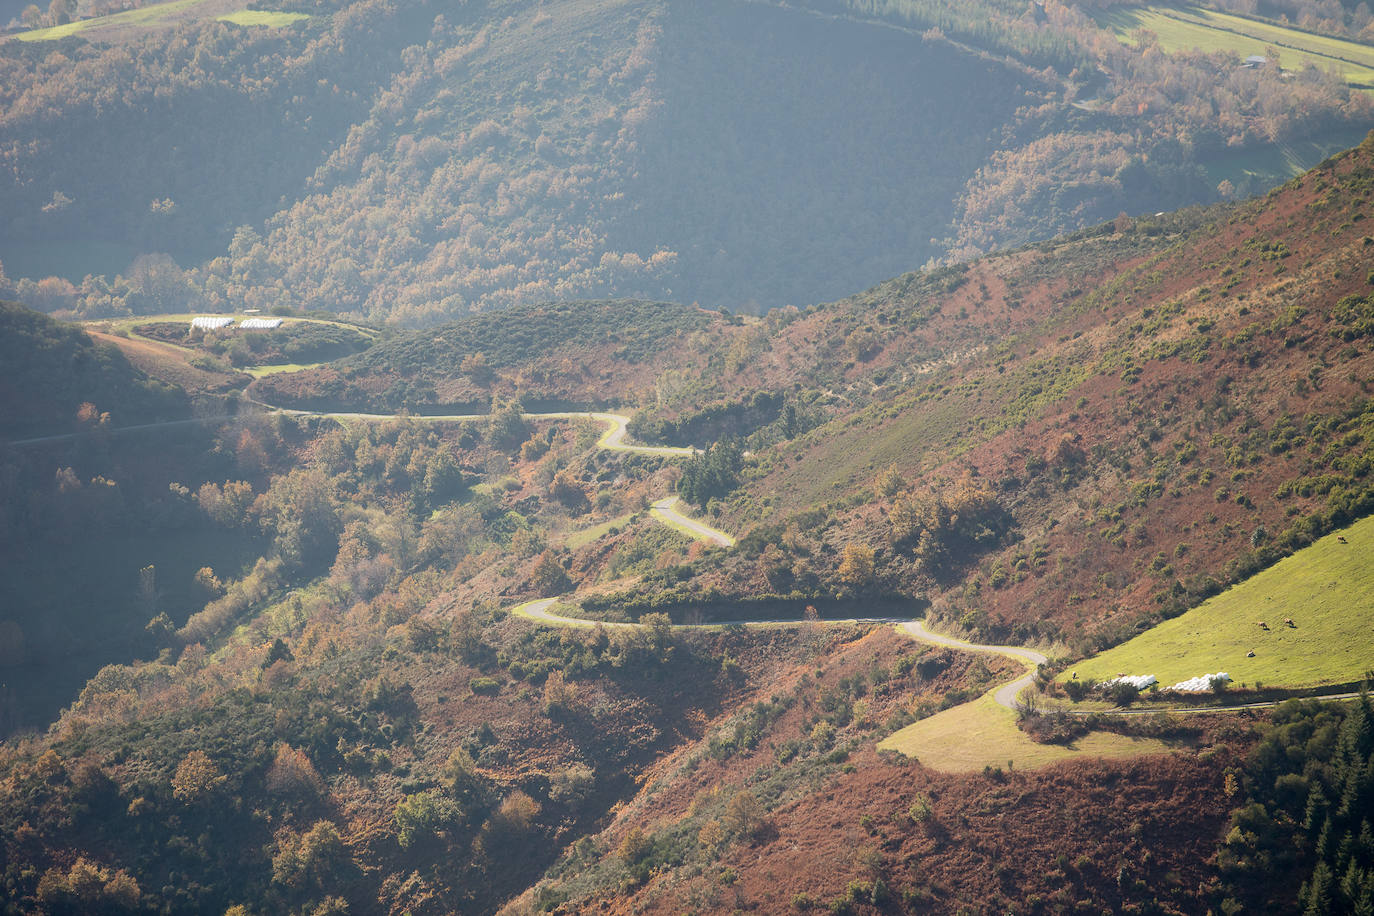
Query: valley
(509, 457)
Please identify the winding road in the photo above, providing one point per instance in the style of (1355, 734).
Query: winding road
(1006, 694)
(539, 610)
(665, 511)
(121, 430)
(613, 439)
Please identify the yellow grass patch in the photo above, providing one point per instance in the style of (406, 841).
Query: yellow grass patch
(263, 17)
(981, 734)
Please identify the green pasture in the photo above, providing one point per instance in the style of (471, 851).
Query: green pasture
(138, 17)
(1193, 28)
(260, 371)
(150, 15)
(585, 536)
(262, 17)
(1327, 590)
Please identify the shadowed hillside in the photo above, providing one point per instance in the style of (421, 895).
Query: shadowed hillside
(48, 370)
(421, 162)
(772, 196)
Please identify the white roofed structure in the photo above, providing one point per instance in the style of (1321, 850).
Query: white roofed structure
(259, 324)
(210, 322)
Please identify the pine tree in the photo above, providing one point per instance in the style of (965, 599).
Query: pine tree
(1316, 898)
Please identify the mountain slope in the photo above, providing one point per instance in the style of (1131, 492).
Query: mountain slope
(426, 161)
(1130, 418)
(579, 352)
(1057, 443)
(645, 148)
(48, 370)
(1152, 419)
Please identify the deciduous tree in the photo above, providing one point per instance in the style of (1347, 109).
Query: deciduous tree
(856, 565)
(196, 777)
(549, 578)
(293, 775)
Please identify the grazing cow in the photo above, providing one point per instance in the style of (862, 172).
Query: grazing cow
(1288, 622)
(1341, 539)
(1250, 654)
(1263, 625)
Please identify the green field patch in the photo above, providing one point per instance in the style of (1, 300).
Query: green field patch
(53, 33)
(1193, 28)
(587, 535)
(144, 16)
(263, 17)
(260, 371)
(1327, 590)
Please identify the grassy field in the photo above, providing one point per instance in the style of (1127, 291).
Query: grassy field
(117, 25)
(585, 536)
(263, 17)
(139, 17)
(980, 734)
(1188, 28)
(1326, 589)
(260, 371)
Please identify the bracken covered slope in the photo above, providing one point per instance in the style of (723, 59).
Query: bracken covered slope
(1129, 417)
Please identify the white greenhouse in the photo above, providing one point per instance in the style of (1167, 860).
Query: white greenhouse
(259, 324)
(210, 322)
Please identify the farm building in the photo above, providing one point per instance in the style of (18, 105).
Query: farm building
(210, 322)
(259, 324)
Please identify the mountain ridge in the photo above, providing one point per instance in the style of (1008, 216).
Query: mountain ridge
(449, 161)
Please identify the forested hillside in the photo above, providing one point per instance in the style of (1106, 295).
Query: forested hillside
(425, 161)
(55, 379)
(584, 353)
(325, 686)
(85, 508)
(167, 144)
